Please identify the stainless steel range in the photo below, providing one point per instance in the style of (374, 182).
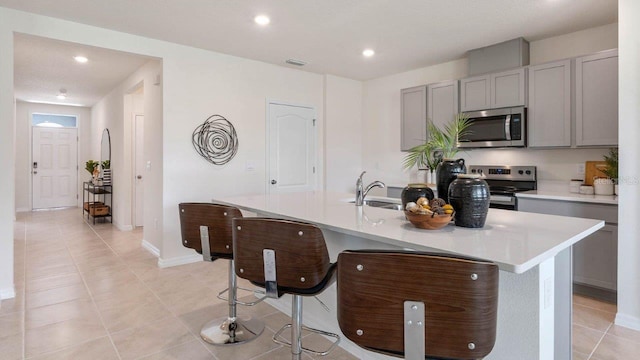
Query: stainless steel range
(505, 181)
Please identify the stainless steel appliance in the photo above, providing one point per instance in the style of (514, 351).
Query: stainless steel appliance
(505, 127)
(505, 181)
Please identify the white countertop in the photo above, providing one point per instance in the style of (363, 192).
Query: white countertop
(516, 241)
(559, 190)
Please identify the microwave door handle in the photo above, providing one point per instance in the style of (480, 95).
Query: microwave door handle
(507, 127)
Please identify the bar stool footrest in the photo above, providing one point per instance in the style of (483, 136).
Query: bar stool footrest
(255, 291)
(282, 341)
(227, 331)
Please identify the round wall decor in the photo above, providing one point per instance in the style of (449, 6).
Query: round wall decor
(216, 140)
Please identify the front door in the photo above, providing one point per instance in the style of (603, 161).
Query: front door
(292, 148)
(54, 167)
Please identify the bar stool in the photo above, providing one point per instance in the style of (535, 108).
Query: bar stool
(286, 257)
(418, 305)
(206, 228)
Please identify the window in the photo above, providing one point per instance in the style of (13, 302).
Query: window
(50, 120)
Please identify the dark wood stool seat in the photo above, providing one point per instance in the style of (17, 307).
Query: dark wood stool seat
(296, 260)
(207, 228)
(380, 293)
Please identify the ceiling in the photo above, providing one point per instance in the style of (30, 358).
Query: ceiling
(330, 35)
(44, 66)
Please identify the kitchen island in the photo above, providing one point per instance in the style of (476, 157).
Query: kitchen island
(531, 250)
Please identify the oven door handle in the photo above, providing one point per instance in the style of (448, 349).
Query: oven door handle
(507, 127)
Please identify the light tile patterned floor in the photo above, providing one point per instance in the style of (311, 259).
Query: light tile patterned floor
(92, 292)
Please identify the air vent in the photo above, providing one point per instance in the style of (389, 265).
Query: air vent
(296, 62)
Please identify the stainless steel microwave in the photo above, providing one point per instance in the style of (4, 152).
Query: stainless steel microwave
(505, 127)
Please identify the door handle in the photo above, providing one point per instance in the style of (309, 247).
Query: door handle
(139, 177)
(35, 172)
(273, 182)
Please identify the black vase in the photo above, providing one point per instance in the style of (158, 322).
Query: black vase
(413, 192)
(469, 196)
(447, 171)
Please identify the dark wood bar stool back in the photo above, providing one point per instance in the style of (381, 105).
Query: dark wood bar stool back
(296, 260)
(207, 228)
(418, 305)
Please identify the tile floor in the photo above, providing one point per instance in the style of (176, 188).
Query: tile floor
(92, 292)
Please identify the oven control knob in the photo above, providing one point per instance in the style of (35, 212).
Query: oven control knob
(528, 172)
(520, 172)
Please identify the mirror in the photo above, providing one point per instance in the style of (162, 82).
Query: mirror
(105, 157)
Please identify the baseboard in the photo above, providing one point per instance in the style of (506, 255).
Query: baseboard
(150, 248)
(7, 293)
(123, 227)
(180, 260)
(610, 296)
(23, 210)
(628, 321)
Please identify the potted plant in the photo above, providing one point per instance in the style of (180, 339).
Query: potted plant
(93, 167)
(442, 144)
(611, 170)
(106, 164)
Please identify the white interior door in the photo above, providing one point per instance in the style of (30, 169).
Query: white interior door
(54, 167)
(292, 148)
(139, 169)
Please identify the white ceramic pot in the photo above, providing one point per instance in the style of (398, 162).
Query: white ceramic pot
(603, 186)
(615, 189)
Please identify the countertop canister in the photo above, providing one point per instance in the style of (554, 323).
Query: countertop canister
(446, 172)
(469, 196)
(413, 192)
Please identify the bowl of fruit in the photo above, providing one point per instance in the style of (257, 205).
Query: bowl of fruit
(431, 215)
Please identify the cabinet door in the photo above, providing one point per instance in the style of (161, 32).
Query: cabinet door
(442, 102)
(595, 259)
(474, 93)
(597, 99)
(549, 112)
(507, 88)
(414, 117)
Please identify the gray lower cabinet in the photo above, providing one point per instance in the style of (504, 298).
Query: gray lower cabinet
(442, 102)
(597, 99)
(549, 112)
(413, 103)
(595, 258)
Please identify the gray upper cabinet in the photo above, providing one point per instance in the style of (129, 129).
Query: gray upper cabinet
(597, 99)
(442, 102)
(496, 90)
(508, 88)
(549, 112)
(413, 102)
(475, 92)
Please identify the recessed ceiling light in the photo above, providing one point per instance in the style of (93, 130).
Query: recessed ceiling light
(62, 95)
(81, 59)
(368, 52)
(262, 20)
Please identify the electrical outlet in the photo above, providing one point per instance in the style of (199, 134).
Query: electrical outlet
(580, 169)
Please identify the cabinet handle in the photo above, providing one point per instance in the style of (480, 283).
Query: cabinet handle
(139, 177)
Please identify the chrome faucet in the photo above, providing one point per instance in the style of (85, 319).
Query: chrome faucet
(361, 192)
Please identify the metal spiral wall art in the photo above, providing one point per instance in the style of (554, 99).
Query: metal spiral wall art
(216, 140)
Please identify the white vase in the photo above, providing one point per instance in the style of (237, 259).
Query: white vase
(615, 189)
(603, 186)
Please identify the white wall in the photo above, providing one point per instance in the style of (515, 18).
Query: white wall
(343, 129)
(381, 110)
(198, 84)
(7, 178)
(24, 111)
(629, 201)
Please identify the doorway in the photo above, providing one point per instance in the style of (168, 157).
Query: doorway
(54, 159)
(291, 144)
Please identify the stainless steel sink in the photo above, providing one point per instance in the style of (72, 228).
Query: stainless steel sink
(381, 204)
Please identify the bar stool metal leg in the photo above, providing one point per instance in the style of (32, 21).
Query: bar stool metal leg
(232, 330)
(296, 328)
